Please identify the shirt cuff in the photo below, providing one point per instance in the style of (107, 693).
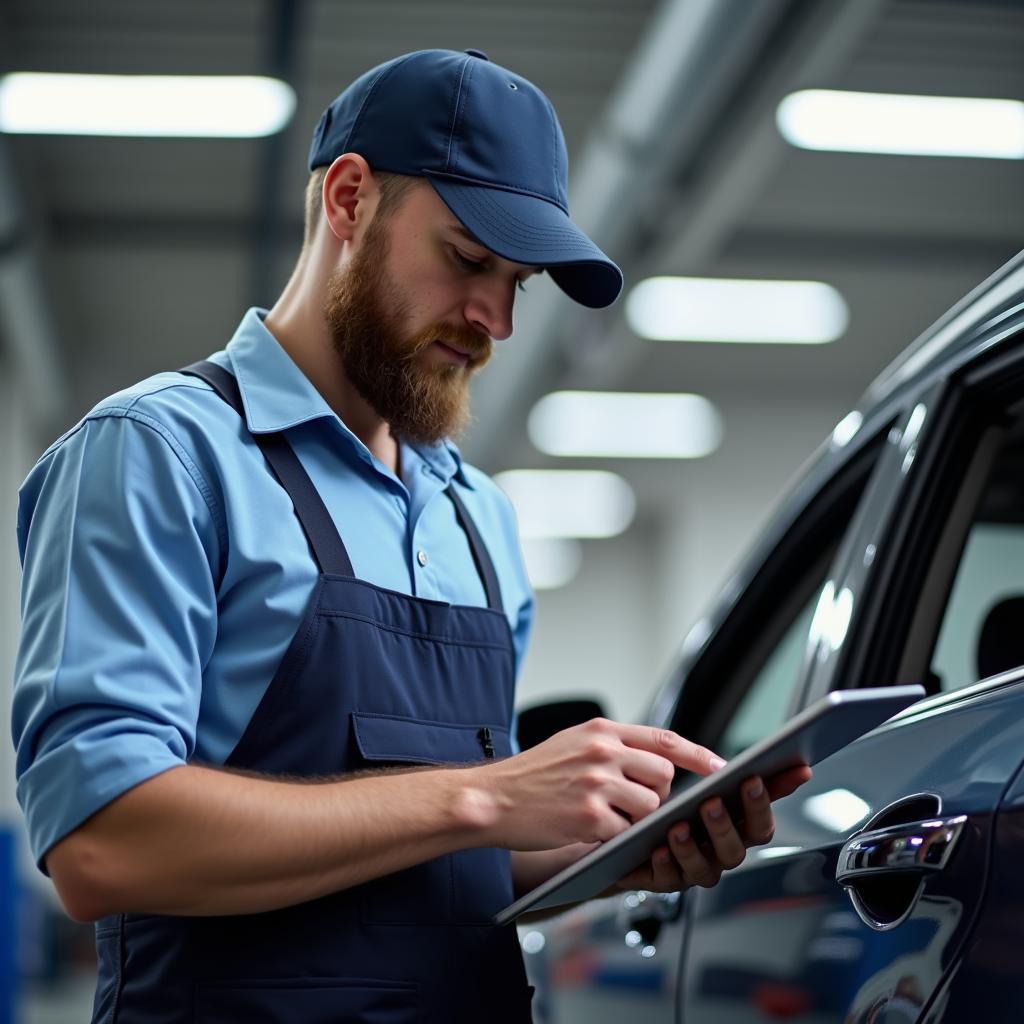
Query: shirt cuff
(69, 784)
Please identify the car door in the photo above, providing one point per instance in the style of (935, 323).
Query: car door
(929, 587)
(619, 958)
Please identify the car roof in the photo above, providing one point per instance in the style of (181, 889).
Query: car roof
(953, 336)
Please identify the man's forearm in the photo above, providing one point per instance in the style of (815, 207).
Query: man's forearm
(201, 841)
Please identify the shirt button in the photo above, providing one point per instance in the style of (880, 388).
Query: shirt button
(421, 557)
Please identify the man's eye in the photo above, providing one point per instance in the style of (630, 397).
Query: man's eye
(465, 261)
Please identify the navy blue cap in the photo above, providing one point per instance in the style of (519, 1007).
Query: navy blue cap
(490, 144)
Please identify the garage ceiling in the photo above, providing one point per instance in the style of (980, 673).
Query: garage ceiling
(152, 248)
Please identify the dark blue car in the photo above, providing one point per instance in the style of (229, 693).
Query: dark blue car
(893, 890)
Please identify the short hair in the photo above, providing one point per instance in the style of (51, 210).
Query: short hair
(393, 189)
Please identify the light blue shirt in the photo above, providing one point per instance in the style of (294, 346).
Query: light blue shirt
(165, 571)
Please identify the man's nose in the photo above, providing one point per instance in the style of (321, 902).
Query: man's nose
(489, 308)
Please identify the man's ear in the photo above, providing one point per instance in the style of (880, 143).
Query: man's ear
(349, 196)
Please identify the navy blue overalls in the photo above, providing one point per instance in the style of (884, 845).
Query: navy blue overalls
(372, 678)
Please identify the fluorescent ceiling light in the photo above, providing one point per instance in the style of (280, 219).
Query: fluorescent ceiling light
(625, 425)
(568, 503)
(144, 105)
(552, 562)
(865, 122)
(717, 309)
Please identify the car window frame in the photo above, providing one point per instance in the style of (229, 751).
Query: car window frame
(702, 704)
(867, 560)
(937, 584)
(915, 548)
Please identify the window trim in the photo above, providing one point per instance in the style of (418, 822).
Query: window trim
(708, 694)
(936, 587)
(962, 400)
(889, 518)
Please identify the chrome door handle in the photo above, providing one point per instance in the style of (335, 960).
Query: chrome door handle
(920, 848)
(884, 870)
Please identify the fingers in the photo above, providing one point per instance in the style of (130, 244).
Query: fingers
(634, 800)
(758, 820)
(729, 849)
(648, 769)
(666, 873)
(684, 863)
(786, 782)
(694, 866)
(677, 749)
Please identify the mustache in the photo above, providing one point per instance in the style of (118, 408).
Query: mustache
(464, 339)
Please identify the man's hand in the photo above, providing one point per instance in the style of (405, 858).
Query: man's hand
(682, 863)
(583, 785)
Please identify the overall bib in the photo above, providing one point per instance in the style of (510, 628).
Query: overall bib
(373, 678)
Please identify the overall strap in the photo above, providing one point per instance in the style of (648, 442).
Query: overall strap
(484, 565)
(322, 534)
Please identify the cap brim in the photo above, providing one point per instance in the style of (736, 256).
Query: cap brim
(526, 229)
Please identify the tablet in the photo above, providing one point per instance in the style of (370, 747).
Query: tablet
(809, 737)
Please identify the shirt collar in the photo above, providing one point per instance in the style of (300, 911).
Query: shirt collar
(277, 395)
(443, 459)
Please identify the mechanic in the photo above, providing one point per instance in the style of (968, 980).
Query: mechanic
(272, 621)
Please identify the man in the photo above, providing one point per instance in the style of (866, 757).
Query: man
(271, 620)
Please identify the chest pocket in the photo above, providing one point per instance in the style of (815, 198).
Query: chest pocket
(463, 888)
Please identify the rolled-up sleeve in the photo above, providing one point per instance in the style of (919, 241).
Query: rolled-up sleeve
(119, 545)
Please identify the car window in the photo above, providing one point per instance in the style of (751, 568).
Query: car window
(764, 706)
(743, 686)
(963, 596)
(980, 633)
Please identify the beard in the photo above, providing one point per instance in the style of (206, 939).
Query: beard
(421, 400)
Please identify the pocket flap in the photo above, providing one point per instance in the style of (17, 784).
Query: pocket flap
(416, 741)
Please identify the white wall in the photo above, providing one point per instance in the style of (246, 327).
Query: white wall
(595, 637)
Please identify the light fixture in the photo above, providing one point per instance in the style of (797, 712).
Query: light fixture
(736, 310)
(617, 424)
(222, 106)
(552, 562)
(568, 503)
(865, 122)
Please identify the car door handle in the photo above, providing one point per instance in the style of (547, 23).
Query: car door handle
(884, 870)
(920, 847)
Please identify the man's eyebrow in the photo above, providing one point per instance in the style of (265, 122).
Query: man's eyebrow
(460, 230)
